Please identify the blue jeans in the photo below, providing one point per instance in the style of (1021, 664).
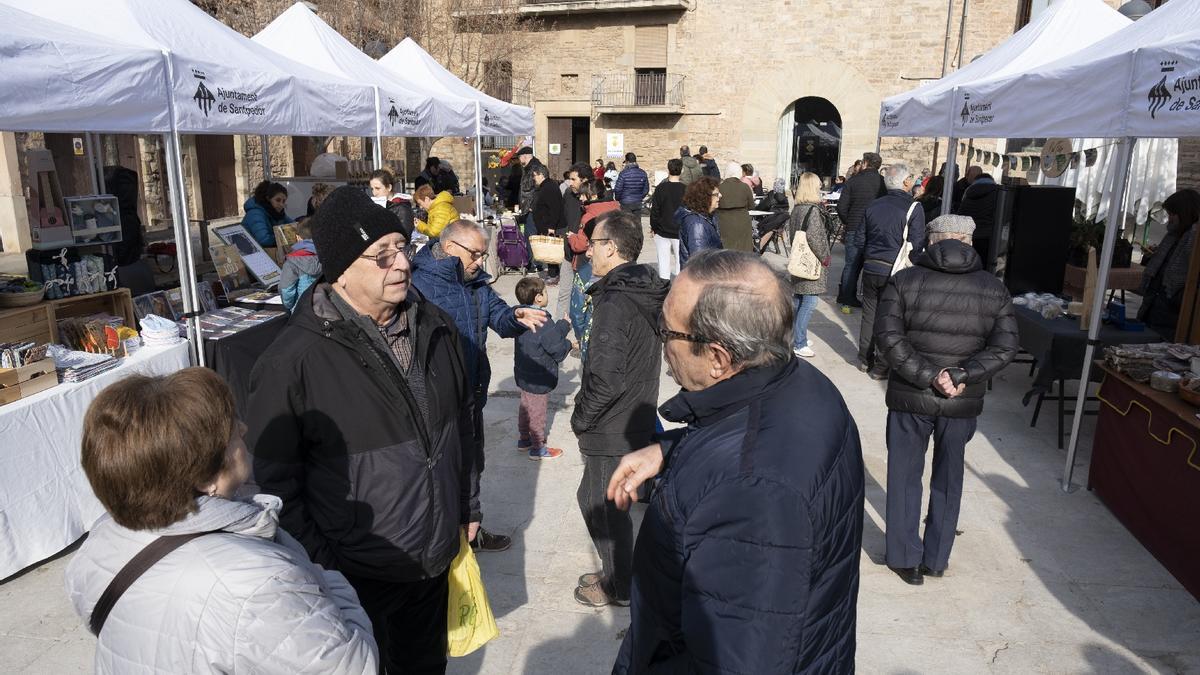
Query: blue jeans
(804, 305)
(855, 243)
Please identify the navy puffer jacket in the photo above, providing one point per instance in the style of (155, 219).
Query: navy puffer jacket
(747, 559)
(697, 232)
(472, 304)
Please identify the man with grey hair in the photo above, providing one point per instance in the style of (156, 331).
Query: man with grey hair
(857, 194)
(947, 327)
(618, 391)
(449, 273)
(886, 221)
(747, 558)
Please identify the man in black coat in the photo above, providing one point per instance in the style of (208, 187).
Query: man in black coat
(359, 417)
(667, 198)
(861, 189)
(747, 560)
(979, 203)
(614, 409)
(946, 327)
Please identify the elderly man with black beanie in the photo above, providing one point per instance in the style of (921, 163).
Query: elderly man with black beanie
(359, 417)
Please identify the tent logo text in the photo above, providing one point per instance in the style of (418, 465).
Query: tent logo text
(976, 113)
(204, 98)
(888, 118)
(1159, 95)
(393, 115)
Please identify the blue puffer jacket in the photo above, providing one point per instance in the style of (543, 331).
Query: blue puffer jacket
(260, 223)
(632, 185)
(747, 560)
(472, 304)
(696, 233)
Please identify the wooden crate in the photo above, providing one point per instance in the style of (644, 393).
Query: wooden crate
(40, 322)
(17, 383)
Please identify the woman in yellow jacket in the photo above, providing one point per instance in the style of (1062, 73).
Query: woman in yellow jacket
(440, 208)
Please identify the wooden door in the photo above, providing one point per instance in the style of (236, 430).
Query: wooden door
(218, 176)
(560, 135)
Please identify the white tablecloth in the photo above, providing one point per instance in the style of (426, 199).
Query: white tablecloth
(45, 500)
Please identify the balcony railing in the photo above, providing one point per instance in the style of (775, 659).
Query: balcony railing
(639, 92)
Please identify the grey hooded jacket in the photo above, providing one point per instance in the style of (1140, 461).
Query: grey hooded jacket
(244, 600)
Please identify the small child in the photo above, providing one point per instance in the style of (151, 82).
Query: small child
(301, 267)
(536, 370)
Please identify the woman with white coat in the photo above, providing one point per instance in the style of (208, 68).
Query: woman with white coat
(165, 456)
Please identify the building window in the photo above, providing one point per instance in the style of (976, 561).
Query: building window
(650, 47)
(498, 80)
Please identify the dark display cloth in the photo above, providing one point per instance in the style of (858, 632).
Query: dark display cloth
(233, 356)
(1146, 469)
(1059, 345)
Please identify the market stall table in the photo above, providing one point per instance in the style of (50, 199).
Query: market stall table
(1146, 469)
(233, 356)
(45, 500)
(1058, 346)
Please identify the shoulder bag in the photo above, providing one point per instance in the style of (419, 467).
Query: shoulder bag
(904, 257)
(803, 263)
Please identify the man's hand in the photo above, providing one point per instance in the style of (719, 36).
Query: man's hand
(531, 318)
(472, 530)
(635, 468)
(945, 386)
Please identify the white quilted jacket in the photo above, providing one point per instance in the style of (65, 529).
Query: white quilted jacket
(246, 600)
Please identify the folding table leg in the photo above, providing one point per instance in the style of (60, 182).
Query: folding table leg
(1062, 395)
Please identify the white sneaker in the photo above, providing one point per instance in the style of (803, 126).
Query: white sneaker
(805, 352)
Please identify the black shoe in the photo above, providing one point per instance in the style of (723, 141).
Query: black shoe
(486, 542)
(910, 575)
(878, 375)
(925, 571)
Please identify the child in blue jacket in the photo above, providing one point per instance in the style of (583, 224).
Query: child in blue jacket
(536, 370)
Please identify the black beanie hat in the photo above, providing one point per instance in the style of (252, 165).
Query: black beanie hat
(345, 224)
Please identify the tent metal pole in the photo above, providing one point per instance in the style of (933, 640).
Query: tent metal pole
(99, 140)
(377, 150)
(1116, 211)
(478, 165)
(266, 155)
(948, 174)
(89, 147)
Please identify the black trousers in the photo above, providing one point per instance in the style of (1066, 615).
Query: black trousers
(907, 438)
(872, 286)
(409, 621)
(477, 421)
(611, 528)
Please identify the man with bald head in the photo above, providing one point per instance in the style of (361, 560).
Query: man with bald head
(747, 558)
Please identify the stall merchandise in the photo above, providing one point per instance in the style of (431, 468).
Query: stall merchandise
(44, 495)
(95, 219)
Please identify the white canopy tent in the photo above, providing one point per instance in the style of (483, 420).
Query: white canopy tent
(218, 82)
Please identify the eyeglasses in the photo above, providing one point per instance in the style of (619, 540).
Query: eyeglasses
(475, 255)
(385, 258)
(665, 334)
(592, 242)
(716, 194)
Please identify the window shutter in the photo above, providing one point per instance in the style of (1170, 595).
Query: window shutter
(650, 46)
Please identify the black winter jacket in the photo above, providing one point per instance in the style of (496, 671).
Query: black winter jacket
(614, 409)
(528, 187)
(979, 202)
(667, 198)
(370, 486)
(860, 190)
(775, 202)
(548, 208)
(884, 235)
(535, 366)
(945, 312)
(748, 556)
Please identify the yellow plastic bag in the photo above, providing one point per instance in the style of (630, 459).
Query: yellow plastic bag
(469, 621)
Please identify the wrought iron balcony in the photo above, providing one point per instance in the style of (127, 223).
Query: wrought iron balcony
(547, 7)
(639, 93)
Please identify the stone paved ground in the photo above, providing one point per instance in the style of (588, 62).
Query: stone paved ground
(1040, 580)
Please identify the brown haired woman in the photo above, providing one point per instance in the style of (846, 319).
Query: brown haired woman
(698, 228)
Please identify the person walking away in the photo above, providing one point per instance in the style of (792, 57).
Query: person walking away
(264, 210)
(748, 555)
(709, 165)
(365, 394)
(614, 409)
(449, 274)
(666, 200)
(931, 198)
(979, 204)
(1165, 278)
(535, 369)
(810, 220)
(547, 213)
(690, 170)
(301, 267)
(733, 213)
(697, 219)
(884, 225)
(632, 186)
(864, 187)
(240, 595)
(947, 327)
(611, 173)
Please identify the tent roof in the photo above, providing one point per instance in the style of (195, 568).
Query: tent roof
(499, 117)
(301, 35)
(223, 82)
(1118, 86)
(1064, 28)
(57, 78)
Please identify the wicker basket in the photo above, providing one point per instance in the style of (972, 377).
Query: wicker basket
(22, 299)
(548, 250)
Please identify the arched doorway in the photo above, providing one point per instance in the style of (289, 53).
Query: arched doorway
(810, 139)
